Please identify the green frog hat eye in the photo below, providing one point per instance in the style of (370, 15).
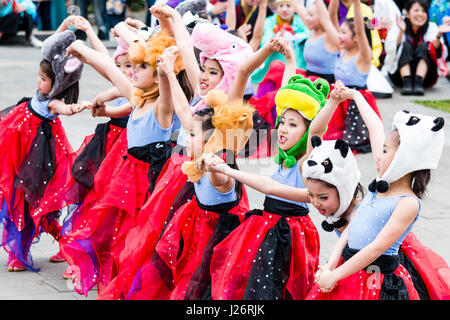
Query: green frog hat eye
(306, 97)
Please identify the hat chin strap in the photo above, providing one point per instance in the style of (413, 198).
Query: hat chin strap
(289, 156)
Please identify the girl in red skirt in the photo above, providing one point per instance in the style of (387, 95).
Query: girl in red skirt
(110, 209)
(36, 162)
(385, 217)
(275, 252)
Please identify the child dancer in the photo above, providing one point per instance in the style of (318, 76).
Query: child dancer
(36, 159)
(385, 217)
(352, 68)
(113, 204)
(275, 252)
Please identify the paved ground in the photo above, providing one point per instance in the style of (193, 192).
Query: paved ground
(18, 74)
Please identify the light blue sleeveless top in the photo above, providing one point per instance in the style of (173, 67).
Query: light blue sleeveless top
(372, 215)
(145, 130)
(41, 107)
(290, 177)
(117, 102)
(209, 196)
(317, 58)
(349, 74)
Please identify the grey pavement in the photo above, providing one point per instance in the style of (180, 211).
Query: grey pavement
(18, 76)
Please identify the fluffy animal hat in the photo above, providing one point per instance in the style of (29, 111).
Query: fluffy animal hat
(232, 122)
(332, 161)
(306, 97)
(67, 70)
(140, 51)
(227, 49)
(421, 145)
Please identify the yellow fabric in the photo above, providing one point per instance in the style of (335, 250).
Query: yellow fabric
(294, 99)
(245, 9)
(377, 46)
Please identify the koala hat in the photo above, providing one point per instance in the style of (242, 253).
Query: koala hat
(67, 70)
(420, 148)
(332, 161)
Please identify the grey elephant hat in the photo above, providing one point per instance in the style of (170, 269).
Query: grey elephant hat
(67, 70)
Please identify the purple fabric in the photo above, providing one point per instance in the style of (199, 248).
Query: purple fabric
(264, 88)
(173, 3)
(343, 10)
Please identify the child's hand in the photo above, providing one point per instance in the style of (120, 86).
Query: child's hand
(134, 23)
(245, 29)
(326, 280)
(275, 45)
(161, 10)
(336, 94)
(166, 60)
(286, 48)
(73, 50)
(214, 163)
(348, 93)
(99, 111)
(82, 24)
(401, 23)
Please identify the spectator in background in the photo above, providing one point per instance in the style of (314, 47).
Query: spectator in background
(18, 15)
(43, 14)
(99, 14)
(287, 23)
(440, 14)
(115, 12)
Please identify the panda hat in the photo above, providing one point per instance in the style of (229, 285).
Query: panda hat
(332, 161)
(421, 145)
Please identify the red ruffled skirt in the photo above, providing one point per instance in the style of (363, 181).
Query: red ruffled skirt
(171, 191)
(107, 214)
(366, 286)
(35, 166)
(432, 270)
(233, 259)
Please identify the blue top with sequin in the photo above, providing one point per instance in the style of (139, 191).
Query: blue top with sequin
(317, 58)
(370, 218)
(209, 196)
(41, 107)
(290, 177)
(349, 74)
(145, 130)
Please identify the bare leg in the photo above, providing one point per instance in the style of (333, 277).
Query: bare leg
(422, 68)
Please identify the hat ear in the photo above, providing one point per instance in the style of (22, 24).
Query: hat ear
(342, 146)
(316, 141)
(439, 124)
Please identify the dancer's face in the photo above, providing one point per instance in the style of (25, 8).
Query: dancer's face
(145, 76)
(210, 76)
(346, 37)
(195, 138)
(44, 82)
(417, 15)
(312, 19)
(291, 129)
(285, 10)
(323, 197)
(124, 64)
(390, 147)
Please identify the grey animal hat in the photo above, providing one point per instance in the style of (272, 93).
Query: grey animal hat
(67, 70)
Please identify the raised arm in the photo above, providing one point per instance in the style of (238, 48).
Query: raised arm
(365, 52)
(103, 64)
(333, 9)
(260, 183)
(184, 42)
(300, 9)
(230, 17)
(258, 29)
(372, 121)
(331, 33)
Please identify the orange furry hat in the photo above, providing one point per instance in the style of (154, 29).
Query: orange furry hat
(140, 51)
(233, 123)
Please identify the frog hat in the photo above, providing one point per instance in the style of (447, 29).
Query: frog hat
(306, 97)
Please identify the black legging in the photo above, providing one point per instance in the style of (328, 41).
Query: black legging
(13, 22)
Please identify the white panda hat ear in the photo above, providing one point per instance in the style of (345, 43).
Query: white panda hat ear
(420, 148)
(332, 161)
